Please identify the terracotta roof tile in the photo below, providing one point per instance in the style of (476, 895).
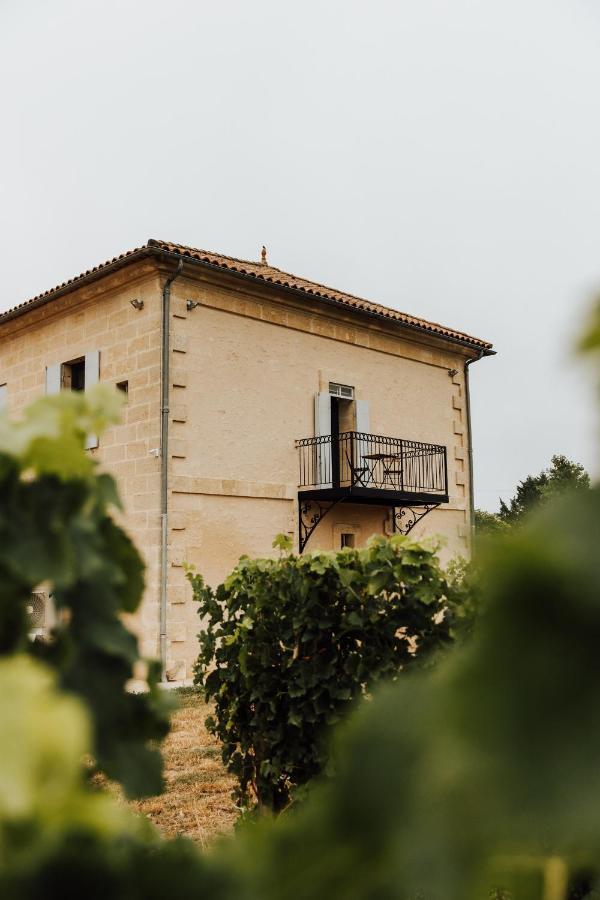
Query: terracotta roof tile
(260, 271)
(72, 283)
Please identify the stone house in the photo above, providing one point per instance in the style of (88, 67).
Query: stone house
(257, 402)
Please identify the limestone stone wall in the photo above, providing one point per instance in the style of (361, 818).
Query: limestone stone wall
(245, 367)
(101, 318)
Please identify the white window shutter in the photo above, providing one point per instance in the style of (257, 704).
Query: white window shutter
(322, 461)
(53, 379)
(92, 368)
(363, 425)
(92, 377)
(362, 416)
(322, 414)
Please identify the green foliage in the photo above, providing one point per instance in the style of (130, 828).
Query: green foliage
(282, 542)
(288, 645)
(45, 734)
(56, 531)
(58, 839)
(478, 777)
(589, 342)
(85, 865)
(488, 523)
(561, 477)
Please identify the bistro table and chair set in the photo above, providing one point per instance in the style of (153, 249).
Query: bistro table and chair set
(390, 465)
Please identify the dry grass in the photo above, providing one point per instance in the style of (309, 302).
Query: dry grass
(197, 799)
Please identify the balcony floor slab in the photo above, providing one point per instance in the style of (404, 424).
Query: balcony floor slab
(371, 496)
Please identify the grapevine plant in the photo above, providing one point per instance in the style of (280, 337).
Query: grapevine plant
(289, 644)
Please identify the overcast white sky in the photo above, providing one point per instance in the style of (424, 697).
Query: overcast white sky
(439, 156)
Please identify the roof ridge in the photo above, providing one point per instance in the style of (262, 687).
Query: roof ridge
(155, 242)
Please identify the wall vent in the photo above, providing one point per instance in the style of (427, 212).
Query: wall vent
(36, 610)
(41, 614)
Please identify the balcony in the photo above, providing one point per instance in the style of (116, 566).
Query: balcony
(354, 467)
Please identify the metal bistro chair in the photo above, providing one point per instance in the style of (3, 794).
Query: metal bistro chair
(392, 473)
(357, 473)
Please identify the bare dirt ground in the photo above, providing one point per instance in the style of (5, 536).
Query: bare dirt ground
(197, 800)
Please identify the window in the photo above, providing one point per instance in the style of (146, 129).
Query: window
(72, 375)
(123, 388)
(75, 375)
(344, 391)
(346, 534)
(3, 396)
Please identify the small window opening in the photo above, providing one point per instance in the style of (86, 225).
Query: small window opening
(344, 391)
(72, 375)
(123, 388)
(347, 540)
(3, 395)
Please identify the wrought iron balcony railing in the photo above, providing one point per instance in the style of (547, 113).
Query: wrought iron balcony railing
(363, 464)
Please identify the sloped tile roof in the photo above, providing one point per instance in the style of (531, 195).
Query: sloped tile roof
(260, 271)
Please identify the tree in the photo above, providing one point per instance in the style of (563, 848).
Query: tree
(561, 477)
(488, 523)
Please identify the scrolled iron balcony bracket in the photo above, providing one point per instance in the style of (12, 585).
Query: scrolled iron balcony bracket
(406, 517)
(310, 513)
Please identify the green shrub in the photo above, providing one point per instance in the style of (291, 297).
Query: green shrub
(480, 777)
(288, 645)
(56, 531)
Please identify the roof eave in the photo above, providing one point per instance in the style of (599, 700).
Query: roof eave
(153, 249)
(80, 281)
(323, 298)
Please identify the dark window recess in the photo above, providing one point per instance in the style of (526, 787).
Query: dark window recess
(123, 388)
(72, 375)
(347, 540)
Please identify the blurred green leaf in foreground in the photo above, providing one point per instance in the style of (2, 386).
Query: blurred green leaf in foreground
(57, 532)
